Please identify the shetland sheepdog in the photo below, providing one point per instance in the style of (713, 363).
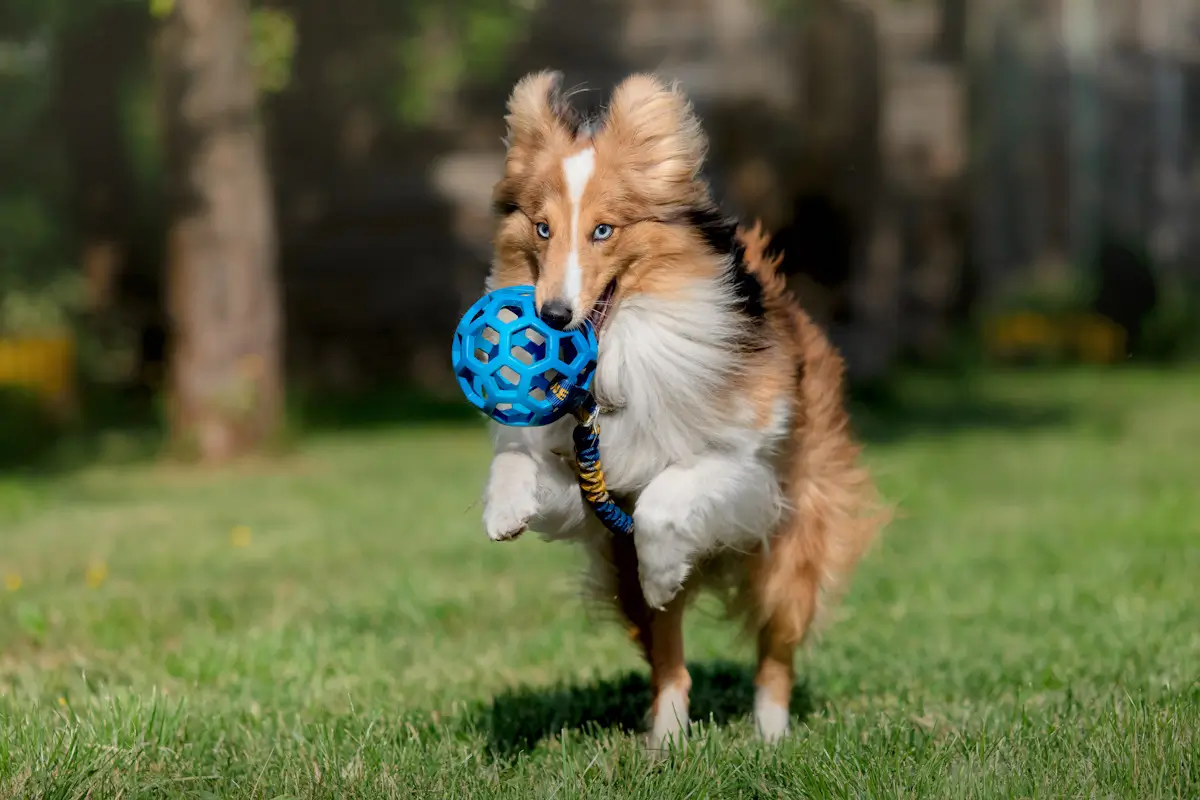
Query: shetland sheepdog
(723, 426)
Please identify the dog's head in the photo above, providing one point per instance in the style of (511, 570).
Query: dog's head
(593, 207)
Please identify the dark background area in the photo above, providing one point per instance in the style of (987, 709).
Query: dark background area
(957, 183)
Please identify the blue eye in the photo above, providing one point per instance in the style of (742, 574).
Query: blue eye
(602, 232)
(543, 230)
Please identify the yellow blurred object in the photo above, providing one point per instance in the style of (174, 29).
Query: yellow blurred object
(45, 366)
(160, 9)
(1021, 331)
(96, 574)
(1088, 338)
(12, 581)
(240, 536)
(1098, 340)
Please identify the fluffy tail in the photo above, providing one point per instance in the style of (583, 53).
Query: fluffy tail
(762, 263)
(837, 513)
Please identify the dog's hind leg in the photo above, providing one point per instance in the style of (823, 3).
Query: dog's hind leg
(778, 639)
(773, 684)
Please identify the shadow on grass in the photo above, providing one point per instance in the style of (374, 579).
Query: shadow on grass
(519, 719)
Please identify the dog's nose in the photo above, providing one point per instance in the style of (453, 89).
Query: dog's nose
(556, 314)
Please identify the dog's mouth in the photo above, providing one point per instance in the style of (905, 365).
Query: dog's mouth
(602, 309)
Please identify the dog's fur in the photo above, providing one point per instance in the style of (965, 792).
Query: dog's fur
(723, 427)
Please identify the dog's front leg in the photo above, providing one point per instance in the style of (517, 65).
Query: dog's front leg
(720, 499)
(530, 485)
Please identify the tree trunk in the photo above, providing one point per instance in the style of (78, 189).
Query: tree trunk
(222, 288)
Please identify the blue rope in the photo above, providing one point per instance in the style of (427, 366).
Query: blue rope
(591, 475)
(587, 461)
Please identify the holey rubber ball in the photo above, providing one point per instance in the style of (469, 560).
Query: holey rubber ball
(513, 366)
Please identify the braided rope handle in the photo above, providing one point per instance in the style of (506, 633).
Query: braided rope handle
(588, 469)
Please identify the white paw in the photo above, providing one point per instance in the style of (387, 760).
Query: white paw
(511, 501)
(664, 557)
(770, 717)
(668, 730)
(508, 521)
(661, 583)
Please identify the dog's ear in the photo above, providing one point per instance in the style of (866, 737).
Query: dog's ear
(538, 116)
(657, 135)
(538, 113)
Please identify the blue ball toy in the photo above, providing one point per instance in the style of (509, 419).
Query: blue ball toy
(514, 367)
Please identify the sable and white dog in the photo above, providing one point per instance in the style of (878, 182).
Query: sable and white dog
(723, 427)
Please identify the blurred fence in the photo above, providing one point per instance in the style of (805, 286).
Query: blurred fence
(923, 163)
(1086, 155)
(834, 122)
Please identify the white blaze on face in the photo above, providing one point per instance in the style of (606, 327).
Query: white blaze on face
(578, 171)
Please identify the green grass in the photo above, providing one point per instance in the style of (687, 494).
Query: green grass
(1030, 626)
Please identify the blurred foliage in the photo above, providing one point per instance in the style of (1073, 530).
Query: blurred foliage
(1172, 330)
(161, 9)
(50, 16)
(33, 308)
(273, 47)
(142, 131)
(1049, 287)
(39, 291)
(40, 285)
(449, 44)
(419, 54)
(25, 427)
(1048, 315)
(34, 295)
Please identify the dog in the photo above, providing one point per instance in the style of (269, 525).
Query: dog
(723, 424)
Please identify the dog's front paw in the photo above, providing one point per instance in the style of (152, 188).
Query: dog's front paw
(508, 521)
(660, 585)
(511, 500)
(663, 556)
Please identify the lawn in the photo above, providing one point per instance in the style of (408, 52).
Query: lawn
(337, 625)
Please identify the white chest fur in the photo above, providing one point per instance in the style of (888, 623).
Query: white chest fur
(664, 369)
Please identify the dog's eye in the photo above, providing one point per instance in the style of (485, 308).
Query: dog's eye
(543, 230)
(602, 232)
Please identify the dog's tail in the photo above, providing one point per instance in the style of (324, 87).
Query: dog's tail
(838, 511)
(762, 263)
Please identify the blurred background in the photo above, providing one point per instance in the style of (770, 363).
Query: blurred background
(232, 229)
(214, 212)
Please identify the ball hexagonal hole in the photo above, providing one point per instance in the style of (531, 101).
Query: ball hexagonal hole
(508, 314)
(509, 374)
(491, 334)
(482, 355)
(537, 394)
(535, 336)
(522, 355)
(567, 351)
